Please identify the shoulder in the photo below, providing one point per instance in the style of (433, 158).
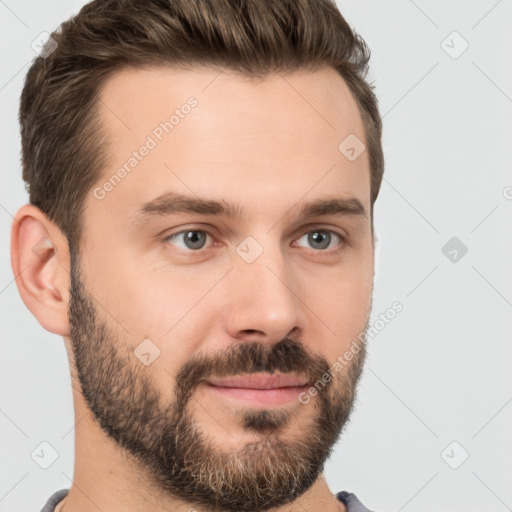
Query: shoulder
(54, 499)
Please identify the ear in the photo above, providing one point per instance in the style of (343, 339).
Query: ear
(40, 262)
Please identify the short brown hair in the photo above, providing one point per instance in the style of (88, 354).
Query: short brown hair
(63, 147)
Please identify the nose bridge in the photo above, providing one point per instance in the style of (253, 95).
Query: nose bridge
(261, 293)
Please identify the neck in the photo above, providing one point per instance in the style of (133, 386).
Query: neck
(327, 503)
(107, 478)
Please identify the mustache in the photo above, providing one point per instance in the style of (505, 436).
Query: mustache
(249, 357)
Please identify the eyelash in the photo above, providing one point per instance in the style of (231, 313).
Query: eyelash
(340, 247)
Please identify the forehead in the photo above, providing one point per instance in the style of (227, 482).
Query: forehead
(133, 100)
(216, 134)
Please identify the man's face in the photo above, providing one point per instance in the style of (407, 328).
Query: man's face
(166, 302)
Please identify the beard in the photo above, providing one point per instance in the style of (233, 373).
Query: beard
(174, 452)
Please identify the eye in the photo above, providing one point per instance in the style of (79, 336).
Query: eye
(194, 239)
(321, 238)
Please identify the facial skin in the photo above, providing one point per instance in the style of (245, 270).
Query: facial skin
(157, 437)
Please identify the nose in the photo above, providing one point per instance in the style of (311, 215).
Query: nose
(263, 299)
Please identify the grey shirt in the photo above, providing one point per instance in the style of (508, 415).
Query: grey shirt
(347, 498)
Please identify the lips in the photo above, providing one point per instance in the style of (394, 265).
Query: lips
(260, 381)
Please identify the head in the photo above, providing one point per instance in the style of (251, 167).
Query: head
(194, 215)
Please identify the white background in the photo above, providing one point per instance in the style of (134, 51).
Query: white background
(440, 371)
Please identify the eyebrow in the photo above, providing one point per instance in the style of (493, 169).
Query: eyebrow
(172, 203)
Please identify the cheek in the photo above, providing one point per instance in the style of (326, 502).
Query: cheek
(340, 304)
(343, 305)
(160, 303)
(125, 295)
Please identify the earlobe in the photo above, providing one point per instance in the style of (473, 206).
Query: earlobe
(40, 262)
